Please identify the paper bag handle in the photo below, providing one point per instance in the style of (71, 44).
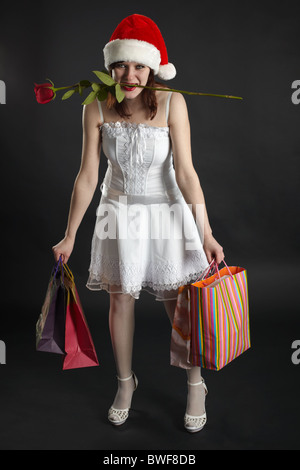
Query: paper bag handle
(59, 263)
(207, 270)
(69, 272)
(217, 269)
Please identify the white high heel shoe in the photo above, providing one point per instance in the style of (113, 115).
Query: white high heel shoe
(195, 423)
(117, 416)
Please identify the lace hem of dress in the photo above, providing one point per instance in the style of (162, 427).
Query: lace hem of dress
(109, 288)
(174, 276)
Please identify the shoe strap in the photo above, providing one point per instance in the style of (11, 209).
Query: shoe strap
(124, 380)
(133, 376)
(198, 383)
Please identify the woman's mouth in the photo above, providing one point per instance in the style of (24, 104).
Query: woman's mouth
(129, 88)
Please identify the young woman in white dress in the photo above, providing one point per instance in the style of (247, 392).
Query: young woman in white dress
(131, 59)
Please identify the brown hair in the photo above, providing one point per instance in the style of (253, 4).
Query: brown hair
(149, 97)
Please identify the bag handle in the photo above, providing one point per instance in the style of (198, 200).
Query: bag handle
(69, 272)
(59, 263)
(207, 270)
(217, 269)
(213, 264)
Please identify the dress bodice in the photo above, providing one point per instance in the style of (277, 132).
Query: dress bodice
(139, 159)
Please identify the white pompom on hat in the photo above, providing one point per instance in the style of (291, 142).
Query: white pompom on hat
(138, 39)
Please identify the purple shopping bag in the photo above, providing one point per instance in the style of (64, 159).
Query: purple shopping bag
(50, 327)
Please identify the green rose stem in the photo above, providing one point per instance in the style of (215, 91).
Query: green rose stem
(61, 88)
(65, 87)
(160, 89)
(108, 82)
(181, 91)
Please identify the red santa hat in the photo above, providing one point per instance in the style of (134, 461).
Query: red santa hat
(138, 39)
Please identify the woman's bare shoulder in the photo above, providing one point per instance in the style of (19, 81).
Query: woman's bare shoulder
(178, 108)
(91, 113)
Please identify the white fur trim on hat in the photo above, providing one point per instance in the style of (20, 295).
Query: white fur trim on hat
(132, 50)
(166, 72)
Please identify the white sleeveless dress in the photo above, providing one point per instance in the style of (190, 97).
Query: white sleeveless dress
(145, 235)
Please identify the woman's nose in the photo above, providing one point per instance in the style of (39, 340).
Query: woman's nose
(130, 74)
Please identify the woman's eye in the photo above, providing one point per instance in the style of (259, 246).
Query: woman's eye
(140, 67)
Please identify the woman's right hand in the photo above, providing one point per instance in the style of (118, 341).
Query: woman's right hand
(64, 249)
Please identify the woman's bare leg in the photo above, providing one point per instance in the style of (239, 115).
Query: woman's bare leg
(121, 325)
(195, 405)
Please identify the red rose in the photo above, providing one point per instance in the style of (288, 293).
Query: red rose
(44, 93)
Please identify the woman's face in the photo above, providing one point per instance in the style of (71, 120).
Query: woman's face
(132, 73)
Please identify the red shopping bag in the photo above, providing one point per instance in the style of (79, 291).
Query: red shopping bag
(79, 347)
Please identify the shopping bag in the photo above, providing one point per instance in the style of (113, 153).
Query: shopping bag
(181, 330)
(219, 309)
(50, 327)
(180, 349)
(79, 347)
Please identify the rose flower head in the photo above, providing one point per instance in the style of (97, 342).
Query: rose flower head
(44, 93)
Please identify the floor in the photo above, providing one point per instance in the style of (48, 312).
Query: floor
(253, 403)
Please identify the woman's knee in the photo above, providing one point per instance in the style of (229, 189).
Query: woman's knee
(120, 301)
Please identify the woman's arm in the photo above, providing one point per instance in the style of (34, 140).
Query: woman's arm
(186, 175)
(85, 182)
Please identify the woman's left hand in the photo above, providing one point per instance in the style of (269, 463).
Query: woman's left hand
(213, 249)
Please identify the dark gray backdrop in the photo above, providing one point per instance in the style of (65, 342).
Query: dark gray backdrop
(246, 155)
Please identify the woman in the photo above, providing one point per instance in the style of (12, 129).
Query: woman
(139, 137)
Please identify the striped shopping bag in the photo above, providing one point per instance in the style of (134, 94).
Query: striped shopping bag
(219, 316)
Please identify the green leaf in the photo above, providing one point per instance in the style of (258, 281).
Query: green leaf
(105, 72)
(50, 81)
(102, 93)
(105, 78)
(90, 98)
(85, 83)
(96, 86)
(68, 94)
(119, 93)
(82, 85)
